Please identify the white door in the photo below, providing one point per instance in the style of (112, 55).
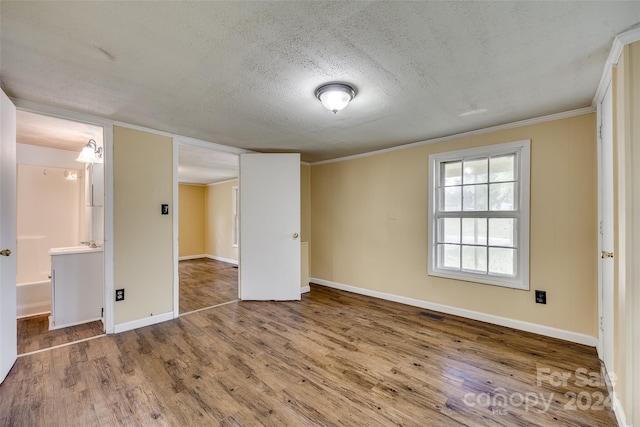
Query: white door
(269, 227)
(8, 328)
(606, 230)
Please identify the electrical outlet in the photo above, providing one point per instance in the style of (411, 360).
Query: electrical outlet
(541, 297)
(119, 294)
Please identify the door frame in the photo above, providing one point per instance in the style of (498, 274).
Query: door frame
(177, 141)
(604, 346)
(107, 126)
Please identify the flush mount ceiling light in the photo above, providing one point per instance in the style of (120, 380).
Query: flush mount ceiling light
(335, 96)
(90, 153)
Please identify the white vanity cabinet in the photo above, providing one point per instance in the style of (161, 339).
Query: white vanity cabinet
(77, 277)
(94, 184)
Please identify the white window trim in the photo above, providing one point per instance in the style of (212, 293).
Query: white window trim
(521, 281)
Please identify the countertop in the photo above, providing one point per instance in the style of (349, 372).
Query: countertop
(74, 250)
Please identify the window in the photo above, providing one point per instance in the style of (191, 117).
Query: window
(479, 214)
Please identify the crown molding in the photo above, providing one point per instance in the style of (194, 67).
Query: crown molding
(47, 110)
(527, 122)
(221, 182)
(192, 184)
(619, 43)
(185, 140)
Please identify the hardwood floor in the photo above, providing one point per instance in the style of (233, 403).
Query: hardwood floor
(203, 283)
(333, 358)
(206, 282)
(34, 333)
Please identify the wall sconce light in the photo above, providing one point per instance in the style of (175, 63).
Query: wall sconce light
(335, 96)
(90, 153)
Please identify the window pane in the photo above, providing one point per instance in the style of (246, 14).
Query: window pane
(474, 231)
(475, 171)
(502, 197)
(451, 173)
(502, 262)
(502, 168)
(449, 257)
(451, 199)
(475, 197)
(502, 232)
(474, 259)
(449, 230)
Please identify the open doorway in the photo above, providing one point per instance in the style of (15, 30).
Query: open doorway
(60, 231)
(207, 227)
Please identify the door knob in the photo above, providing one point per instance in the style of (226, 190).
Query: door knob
(295, 235)
(605, 254)
(5, 252)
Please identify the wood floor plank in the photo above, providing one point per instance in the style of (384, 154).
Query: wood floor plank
(206, 282)
(333, 358)
(34, 333)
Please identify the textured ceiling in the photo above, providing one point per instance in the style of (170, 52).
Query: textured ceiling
(197, 165)
(244, 73)
(53, 132)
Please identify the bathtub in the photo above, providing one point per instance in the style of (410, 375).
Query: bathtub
(33, 292)
(34, 297)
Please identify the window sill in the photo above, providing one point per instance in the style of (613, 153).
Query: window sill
(505, 282)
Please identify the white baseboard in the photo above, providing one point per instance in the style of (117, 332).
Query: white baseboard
(66, 325)
(140, 323)
(618, 410)
(305, 289)
(219, 258)
(34, 310)
(475, 315)
(48, 311)
(186, 257)
(616, 405)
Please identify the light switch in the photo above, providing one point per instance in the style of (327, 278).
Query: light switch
(165, 209)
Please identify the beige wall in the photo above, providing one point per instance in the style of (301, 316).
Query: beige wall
(191, 219)
(305, 223)
(143, 238)
(305, 203)
(369, 227)
(219, 221)
(626, 103)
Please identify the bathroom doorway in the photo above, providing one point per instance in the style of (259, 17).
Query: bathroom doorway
(60, 225)
(207, 182)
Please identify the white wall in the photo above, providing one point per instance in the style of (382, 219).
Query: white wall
(42, 156)
(51, 213)
(48, 208)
